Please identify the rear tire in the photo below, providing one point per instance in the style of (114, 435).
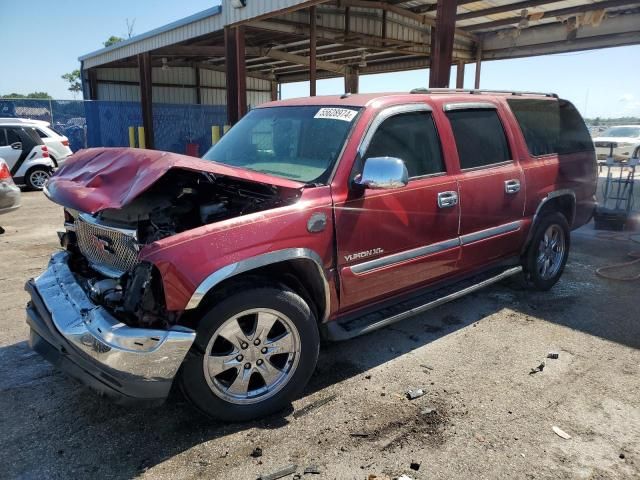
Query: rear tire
(548, 251)
(37, 177)
(254, 353)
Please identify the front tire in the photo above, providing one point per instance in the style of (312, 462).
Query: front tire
(254, 353)
(37, 177)
(548, 251)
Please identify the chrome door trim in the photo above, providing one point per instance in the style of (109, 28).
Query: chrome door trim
(448, 107)
(382, 116)
(405, 255)
(260, 261)
(490, 232)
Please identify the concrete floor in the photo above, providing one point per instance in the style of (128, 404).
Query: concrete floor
(490, 417)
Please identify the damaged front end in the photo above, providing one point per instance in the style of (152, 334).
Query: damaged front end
(98, 311)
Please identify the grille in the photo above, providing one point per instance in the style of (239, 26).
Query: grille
(606, 144)
(111, 251)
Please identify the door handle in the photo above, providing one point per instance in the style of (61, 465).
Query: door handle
(447, 199)
(512, 186)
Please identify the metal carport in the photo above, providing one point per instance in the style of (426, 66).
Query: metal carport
(239, 52)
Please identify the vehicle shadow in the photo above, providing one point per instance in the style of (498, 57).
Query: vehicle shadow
(54, 427)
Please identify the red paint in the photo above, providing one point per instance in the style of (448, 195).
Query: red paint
(394, 221)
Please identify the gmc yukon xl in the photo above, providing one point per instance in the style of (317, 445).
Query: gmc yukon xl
(324, 217)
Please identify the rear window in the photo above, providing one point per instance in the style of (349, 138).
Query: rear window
(551, 127)
(480, 138)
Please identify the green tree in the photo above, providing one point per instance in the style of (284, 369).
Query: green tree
(39, 95)
(74, 82)
(112, 40)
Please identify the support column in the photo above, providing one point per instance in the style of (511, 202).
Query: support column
(196, 69)
(478, 63)
(442, 44)
(351, 80)
(274, 90)
(460, 75)
(146, 98)
(312, 51)
(236, 73)
(93, 84)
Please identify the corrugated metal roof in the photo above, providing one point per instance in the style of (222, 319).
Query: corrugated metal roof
(208, 21)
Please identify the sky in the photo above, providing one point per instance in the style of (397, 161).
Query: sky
(40, 48)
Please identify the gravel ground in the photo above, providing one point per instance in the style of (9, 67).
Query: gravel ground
(483, 415)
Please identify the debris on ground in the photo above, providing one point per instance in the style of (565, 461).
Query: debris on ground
(428, 411)
(257, 452)
(404, 477)
(414, 466)
(539, 368)
(622, 456)
(312, 406)
(359, 434)
(283, 472)
(312, 469)
(553, 355)
(428, 367)
(367, 377)
(561, 433)
(413, 394)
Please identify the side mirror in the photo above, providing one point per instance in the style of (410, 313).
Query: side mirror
(17, 146)
(383, 173)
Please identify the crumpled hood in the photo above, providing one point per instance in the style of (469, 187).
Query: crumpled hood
(98, 178)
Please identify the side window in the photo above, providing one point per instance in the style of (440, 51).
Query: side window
(411, 137)
(539, 122)
(3, 138)
(12, 136)
(42, 133)
(480, 138)
(574, 135)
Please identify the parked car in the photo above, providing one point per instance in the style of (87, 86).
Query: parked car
(26, 155)
(625, 140)
(58, 145)
(9, 192)
(316, 217)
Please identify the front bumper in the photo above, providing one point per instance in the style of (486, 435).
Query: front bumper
(9, 197)
(83, 339)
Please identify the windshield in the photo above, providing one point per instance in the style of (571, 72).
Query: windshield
(621, 132)
(300, 143)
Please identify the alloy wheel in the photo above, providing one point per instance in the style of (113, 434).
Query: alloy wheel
(551, 251)
(252, 356)
(38, 178)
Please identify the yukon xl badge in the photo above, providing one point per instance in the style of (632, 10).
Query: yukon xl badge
(365, 254)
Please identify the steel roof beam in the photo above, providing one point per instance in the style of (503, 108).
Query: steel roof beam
(556, 13)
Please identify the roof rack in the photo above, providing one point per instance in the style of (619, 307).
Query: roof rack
(432, 91)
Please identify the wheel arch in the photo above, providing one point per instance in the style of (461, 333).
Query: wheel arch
(298, 268)
(563, 201)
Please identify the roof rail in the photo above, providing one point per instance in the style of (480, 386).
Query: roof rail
(431, 91)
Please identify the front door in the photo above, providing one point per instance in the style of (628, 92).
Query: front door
(10, 146)
(389, 241)
(492, 188)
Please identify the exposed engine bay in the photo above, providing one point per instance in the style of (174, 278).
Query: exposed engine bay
(180, 201)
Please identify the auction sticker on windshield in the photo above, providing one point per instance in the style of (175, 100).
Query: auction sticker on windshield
(336, 114)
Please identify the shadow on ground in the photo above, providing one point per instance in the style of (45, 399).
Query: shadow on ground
(54, 427)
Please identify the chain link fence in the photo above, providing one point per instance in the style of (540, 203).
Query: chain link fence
(95, 123)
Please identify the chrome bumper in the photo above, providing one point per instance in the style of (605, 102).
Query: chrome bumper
(133, 362)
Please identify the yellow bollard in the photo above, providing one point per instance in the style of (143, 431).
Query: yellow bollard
(226, 128)
(132, 137)
(141, 142)
(215, 134)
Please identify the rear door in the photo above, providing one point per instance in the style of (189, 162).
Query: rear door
(10, 146)
(492, 190)
(389, 241)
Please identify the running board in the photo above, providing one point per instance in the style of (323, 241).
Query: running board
(344, 330)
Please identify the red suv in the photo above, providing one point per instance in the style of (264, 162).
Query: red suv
(324, 217)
